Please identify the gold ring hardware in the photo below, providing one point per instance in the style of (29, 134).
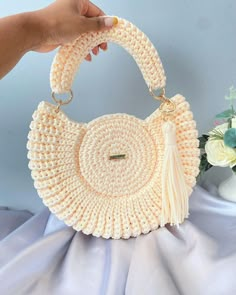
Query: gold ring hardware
(60, 102)
(162, 97)
(167, 105)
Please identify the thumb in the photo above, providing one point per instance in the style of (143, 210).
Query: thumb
(100, 23)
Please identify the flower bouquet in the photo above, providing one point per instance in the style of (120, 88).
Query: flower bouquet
(218, 147)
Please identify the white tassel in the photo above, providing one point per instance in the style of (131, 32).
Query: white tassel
(174, 189)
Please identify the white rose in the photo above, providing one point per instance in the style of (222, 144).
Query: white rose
(218, 154)
(222, 128)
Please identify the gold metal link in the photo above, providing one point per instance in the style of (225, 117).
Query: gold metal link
(60, 102)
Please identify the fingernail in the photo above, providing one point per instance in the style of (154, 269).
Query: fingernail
(111, 21)
(103, 46)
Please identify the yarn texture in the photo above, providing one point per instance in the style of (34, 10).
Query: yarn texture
(76, 179)
(70, 56)
(175, 206)
(117, 176)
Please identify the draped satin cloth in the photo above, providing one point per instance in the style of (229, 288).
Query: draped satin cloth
(40, 255)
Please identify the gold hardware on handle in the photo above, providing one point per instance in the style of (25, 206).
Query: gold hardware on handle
(162, 96)
(60, 102)
(167, 105)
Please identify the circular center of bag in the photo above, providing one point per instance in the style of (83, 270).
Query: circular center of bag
(117, 156)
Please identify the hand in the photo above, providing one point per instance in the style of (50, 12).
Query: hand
(64, 20)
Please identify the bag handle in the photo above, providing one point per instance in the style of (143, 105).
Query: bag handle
(69, 57)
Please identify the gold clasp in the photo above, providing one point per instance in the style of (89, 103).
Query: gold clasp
(60, 102)
(162, 96)
(167, 105)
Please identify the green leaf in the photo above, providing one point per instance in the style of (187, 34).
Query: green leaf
(206, 136)
(204, 166)
(230, 137)
(202, 141)
(226, 114)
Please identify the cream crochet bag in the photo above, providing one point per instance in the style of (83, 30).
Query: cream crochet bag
(117, 176)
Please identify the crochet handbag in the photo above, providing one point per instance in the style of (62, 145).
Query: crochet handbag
(117, 176)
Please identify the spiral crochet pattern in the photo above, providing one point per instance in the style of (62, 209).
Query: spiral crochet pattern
(77, 178)
(70, 56)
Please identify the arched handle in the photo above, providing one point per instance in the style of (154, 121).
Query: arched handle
(69, 56)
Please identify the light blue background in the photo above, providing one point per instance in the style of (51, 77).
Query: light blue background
(196, 42)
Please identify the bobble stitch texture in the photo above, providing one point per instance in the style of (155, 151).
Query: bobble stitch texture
(110, 199)
(70, 163)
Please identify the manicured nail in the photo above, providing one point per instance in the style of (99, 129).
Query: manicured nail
(111, 21)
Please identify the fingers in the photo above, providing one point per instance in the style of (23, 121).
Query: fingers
(103, 46)
(94, 11)
(96, 24)
(95, 50)
(88, 57)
